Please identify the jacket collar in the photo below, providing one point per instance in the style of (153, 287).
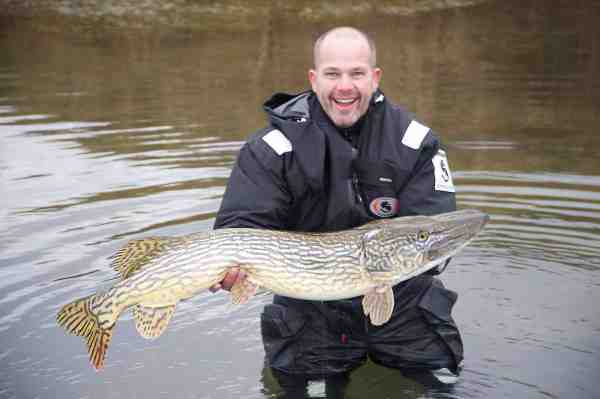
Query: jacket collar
(297, 107)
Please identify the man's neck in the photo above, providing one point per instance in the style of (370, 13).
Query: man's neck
(351, 133)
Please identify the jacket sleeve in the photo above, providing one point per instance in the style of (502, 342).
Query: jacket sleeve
(429, 189)
(256, 195)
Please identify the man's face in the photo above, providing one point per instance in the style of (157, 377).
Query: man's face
(344, 79)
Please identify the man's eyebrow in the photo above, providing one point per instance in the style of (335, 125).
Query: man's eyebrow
(353, 69)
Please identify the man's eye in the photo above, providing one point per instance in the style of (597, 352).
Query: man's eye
(331, 74)
(358, 74)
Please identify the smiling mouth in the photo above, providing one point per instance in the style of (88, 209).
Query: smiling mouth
(345, 101)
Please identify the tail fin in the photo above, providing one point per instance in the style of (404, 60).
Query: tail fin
(77, 318)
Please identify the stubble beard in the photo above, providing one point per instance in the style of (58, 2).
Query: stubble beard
(343, 119)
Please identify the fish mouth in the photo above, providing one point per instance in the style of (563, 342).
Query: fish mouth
(458, 230)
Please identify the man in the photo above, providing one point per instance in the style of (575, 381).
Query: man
(334, 158)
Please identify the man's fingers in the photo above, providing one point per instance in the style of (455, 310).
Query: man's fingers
(229, 280)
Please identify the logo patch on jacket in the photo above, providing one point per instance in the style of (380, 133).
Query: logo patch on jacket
(384, 207)
(443, 177)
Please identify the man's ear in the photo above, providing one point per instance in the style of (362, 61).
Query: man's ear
(377, 72)
(312, 78)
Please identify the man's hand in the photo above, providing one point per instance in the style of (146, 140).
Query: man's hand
(232, 277)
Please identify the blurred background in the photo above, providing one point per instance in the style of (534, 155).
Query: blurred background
(122, 119)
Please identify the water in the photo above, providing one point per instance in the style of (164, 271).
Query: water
(125, 134)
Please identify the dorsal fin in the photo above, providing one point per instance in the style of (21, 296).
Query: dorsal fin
(136, 254)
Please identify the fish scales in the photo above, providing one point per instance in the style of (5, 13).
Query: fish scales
(159, 272)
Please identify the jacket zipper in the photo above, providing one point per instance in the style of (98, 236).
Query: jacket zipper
(355, 189)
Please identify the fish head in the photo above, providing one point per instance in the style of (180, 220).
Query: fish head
(449, 233)
(415, 244)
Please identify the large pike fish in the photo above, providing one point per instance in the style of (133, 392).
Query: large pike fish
(158, 272)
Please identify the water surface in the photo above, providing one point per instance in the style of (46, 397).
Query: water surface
(125, 134)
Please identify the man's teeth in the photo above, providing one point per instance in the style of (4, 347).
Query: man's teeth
(344, 100)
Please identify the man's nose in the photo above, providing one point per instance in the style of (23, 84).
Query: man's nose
(345, 83)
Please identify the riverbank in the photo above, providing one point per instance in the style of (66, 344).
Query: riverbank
(94, 15)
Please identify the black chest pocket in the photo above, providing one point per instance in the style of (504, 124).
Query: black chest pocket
(379, 183)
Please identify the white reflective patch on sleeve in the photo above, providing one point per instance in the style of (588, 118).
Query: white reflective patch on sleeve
(278, 142)
(414, 135)
(443, 177)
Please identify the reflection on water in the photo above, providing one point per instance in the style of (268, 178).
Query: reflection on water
(110, 137)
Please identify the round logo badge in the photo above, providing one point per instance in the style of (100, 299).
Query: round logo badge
(384, 207)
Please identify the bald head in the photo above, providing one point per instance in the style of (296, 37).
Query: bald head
(344, 77)
(344, 33)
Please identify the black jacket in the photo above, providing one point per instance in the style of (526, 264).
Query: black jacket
(301, 173)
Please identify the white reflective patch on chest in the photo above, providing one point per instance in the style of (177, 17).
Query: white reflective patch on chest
(278, 142)
(415, 133)
(443, 176)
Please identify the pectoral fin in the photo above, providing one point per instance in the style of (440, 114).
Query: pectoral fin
(378, 304)
(151, 322)
(242, 291)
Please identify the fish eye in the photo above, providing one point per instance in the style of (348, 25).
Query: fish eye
(423, 235)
